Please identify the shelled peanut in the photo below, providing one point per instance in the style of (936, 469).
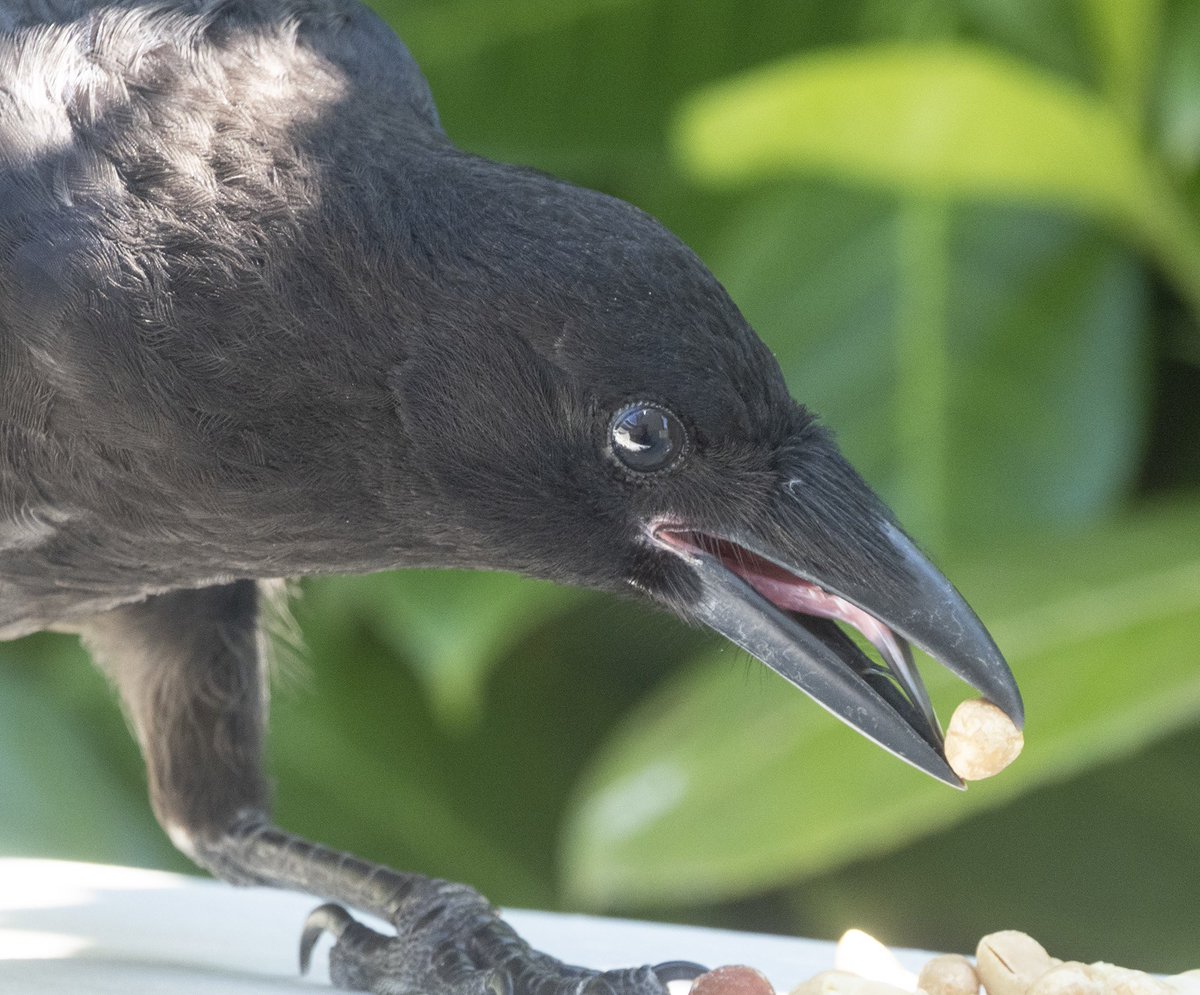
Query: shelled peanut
(981, 740)
(949, 974)
(1011, 963)
(1006, 963)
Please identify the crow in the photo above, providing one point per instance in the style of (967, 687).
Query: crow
(261, 319)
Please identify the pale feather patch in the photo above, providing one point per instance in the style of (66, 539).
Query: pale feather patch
(61, 80)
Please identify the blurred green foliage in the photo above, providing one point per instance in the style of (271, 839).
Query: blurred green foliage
(969, 230)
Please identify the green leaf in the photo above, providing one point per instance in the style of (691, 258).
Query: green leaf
(1049, 372)
(722, 785)
(462, 30)
(1177, 101)
(451, 627)
(987, 375)
(1055, 863)
(1124, 36)
(363, 763)
(1046, 34)
(69, 774)
(586, 88)
(945, 121)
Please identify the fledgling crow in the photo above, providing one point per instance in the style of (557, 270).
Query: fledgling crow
(259, 318)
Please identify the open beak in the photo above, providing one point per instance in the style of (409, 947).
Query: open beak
(782, 606)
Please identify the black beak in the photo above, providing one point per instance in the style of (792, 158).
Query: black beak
(778, 598)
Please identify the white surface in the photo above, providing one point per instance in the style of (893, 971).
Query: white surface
(83, 928)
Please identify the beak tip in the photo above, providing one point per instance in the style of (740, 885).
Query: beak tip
(946, 774)
(1018, 716)
(1004, 694)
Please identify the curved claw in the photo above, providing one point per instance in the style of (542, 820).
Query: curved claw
(329, 917)
(678, 970)
(499, 982)
(364, 960)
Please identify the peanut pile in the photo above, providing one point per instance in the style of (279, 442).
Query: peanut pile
(1006, 963)
(1011, 963)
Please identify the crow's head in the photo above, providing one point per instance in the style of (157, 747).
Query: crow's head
(609, 419)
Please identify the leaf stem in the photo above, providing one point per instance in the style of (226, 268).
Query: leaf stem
(1171, 232)
(923, 365)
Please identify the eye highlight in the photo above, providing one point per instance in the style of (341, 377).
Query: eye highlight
(646, 438)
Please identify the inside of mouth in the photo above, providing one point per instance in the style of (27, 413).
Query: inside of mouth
(797, 596)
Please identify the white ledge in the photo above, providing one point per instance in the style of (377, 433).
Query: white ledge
(85, 928)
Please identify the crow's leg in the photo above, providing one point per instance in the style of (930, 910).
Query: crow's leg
(188, 668)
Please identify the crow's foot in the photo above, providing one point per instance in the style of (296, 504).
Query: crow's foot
(461, 947)
(448, 940)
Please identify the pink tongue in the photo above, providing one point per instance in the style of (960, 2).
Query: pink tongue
(789, 592)
(794, 594)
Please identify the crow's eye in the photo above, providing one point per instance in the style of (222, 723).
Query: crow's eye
(646, 437)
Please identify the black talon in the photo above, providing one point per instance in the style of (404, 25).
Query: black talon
(678, 970)
(331, 917)
(499, 982)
